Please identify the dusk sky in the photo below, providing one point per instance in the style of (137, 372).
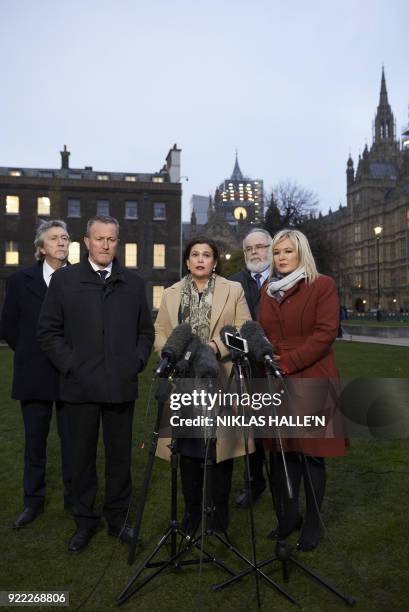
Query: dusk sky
(294, 86)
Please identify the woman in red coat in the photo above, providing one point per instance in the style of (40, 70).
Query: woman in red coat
(299, 312)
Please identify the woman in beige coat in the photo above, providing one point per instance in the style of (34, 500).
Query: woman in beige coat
(207, 302)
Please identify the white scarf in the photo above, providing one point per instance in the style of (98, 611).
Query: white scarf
(279, 285)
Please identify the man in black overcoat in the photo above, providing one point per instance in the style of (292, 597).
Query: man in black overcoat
(96, 327)
(258, 257)
(35, 379)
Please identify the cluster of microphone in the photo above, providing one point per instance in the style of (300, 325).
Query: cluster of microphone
(184, 355)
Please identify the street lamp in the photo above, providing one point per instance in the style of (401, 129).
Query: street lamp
(378, 232)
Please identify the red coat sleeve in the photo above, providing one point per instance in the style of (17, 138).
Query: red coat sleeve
(318, 344)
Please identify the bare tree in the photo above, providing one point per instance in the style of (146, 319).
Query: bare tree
(293, 206)
(293, 202)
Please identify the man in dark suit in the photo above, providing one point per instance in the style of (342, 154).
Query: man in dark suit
(95, 326)
(35, 379)
(258, 258)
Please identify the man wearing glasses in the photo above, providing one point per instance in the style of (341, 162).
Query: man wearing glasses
(258, 258)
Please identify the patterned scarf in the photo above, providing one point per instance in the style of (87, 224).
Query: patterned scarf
(279, 284)
(197, 310)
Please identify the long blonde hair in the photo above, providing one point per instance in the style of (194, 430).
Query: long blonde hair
(302, 247)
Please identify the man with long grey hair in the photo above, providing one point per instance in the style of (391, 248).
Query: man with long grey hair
(258, 257)
(35, 379)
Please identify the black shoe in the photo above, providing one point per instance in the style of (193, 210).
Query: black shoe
(275, 535)
(124, 533)
(80, 540)
(242, 498)
(28, 515)
(309, 539)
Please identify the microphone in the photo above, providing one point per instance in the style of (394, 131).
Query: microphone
(206, 365)
(183, 367)
(260, 348)
(174, 347)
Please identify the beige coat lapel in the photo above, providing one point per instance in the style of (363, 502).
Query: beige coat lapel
(174, 303)
(220, 296)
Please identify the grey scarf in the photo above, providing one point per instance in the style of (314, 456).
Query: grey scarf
(279, 284)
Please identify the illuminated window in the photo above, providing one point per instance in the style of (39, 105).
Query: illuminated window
(12, 205)
(131, 209)
(74, 252)
(15, 173)
(157, 179)
(103, 177)
(358, 257)
(131, 179)
(357, 232)
(158, 255)
(74, 208)
(12, 257)
(103, 208)
(43, 206)
(159, 211)
(131, 255)
(157, 292)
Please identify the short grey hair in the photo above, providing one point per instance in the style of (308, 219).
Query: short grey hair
(41, 230)
(101, 219)
(258, 230)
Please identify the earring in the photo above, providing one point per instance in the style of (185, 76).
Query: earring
(214, 268)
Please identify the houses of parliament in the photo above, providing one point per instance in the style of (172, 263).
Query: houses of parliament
(371, 233)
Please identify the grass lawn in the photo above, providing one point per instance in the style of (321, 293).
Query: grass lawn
(366, 508)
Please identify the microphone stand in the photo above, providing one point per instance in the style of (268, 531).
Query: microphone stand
(174, 530)
(238, 373)
(283, 552)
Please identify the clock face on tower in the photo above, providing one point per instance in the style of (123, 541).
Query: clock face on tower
(240, 211)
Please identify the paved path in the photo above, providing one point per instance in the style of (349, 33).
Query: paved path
(374, 340)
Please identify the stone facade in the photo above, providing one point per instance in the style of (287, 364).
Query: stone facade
(377, 197)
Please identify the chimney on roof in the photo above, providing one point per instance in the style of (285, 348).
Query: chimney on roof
(173, 164)
(65, 158)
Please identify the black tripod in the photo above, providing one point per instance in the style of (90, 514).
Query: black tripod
(283, 552)
(174, 531)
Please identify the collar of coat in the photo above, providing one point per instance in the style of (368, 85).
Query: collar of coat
(221, 293)
(88, 275)
(35, 279)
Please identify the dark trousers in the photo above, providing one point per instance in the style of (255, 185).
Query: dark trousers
(84, 421)
(219, 482)
(312, 471)
(256, 462)
(37, 417)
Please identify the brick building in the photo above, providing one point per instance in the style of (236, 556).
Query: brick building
(147, 206)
